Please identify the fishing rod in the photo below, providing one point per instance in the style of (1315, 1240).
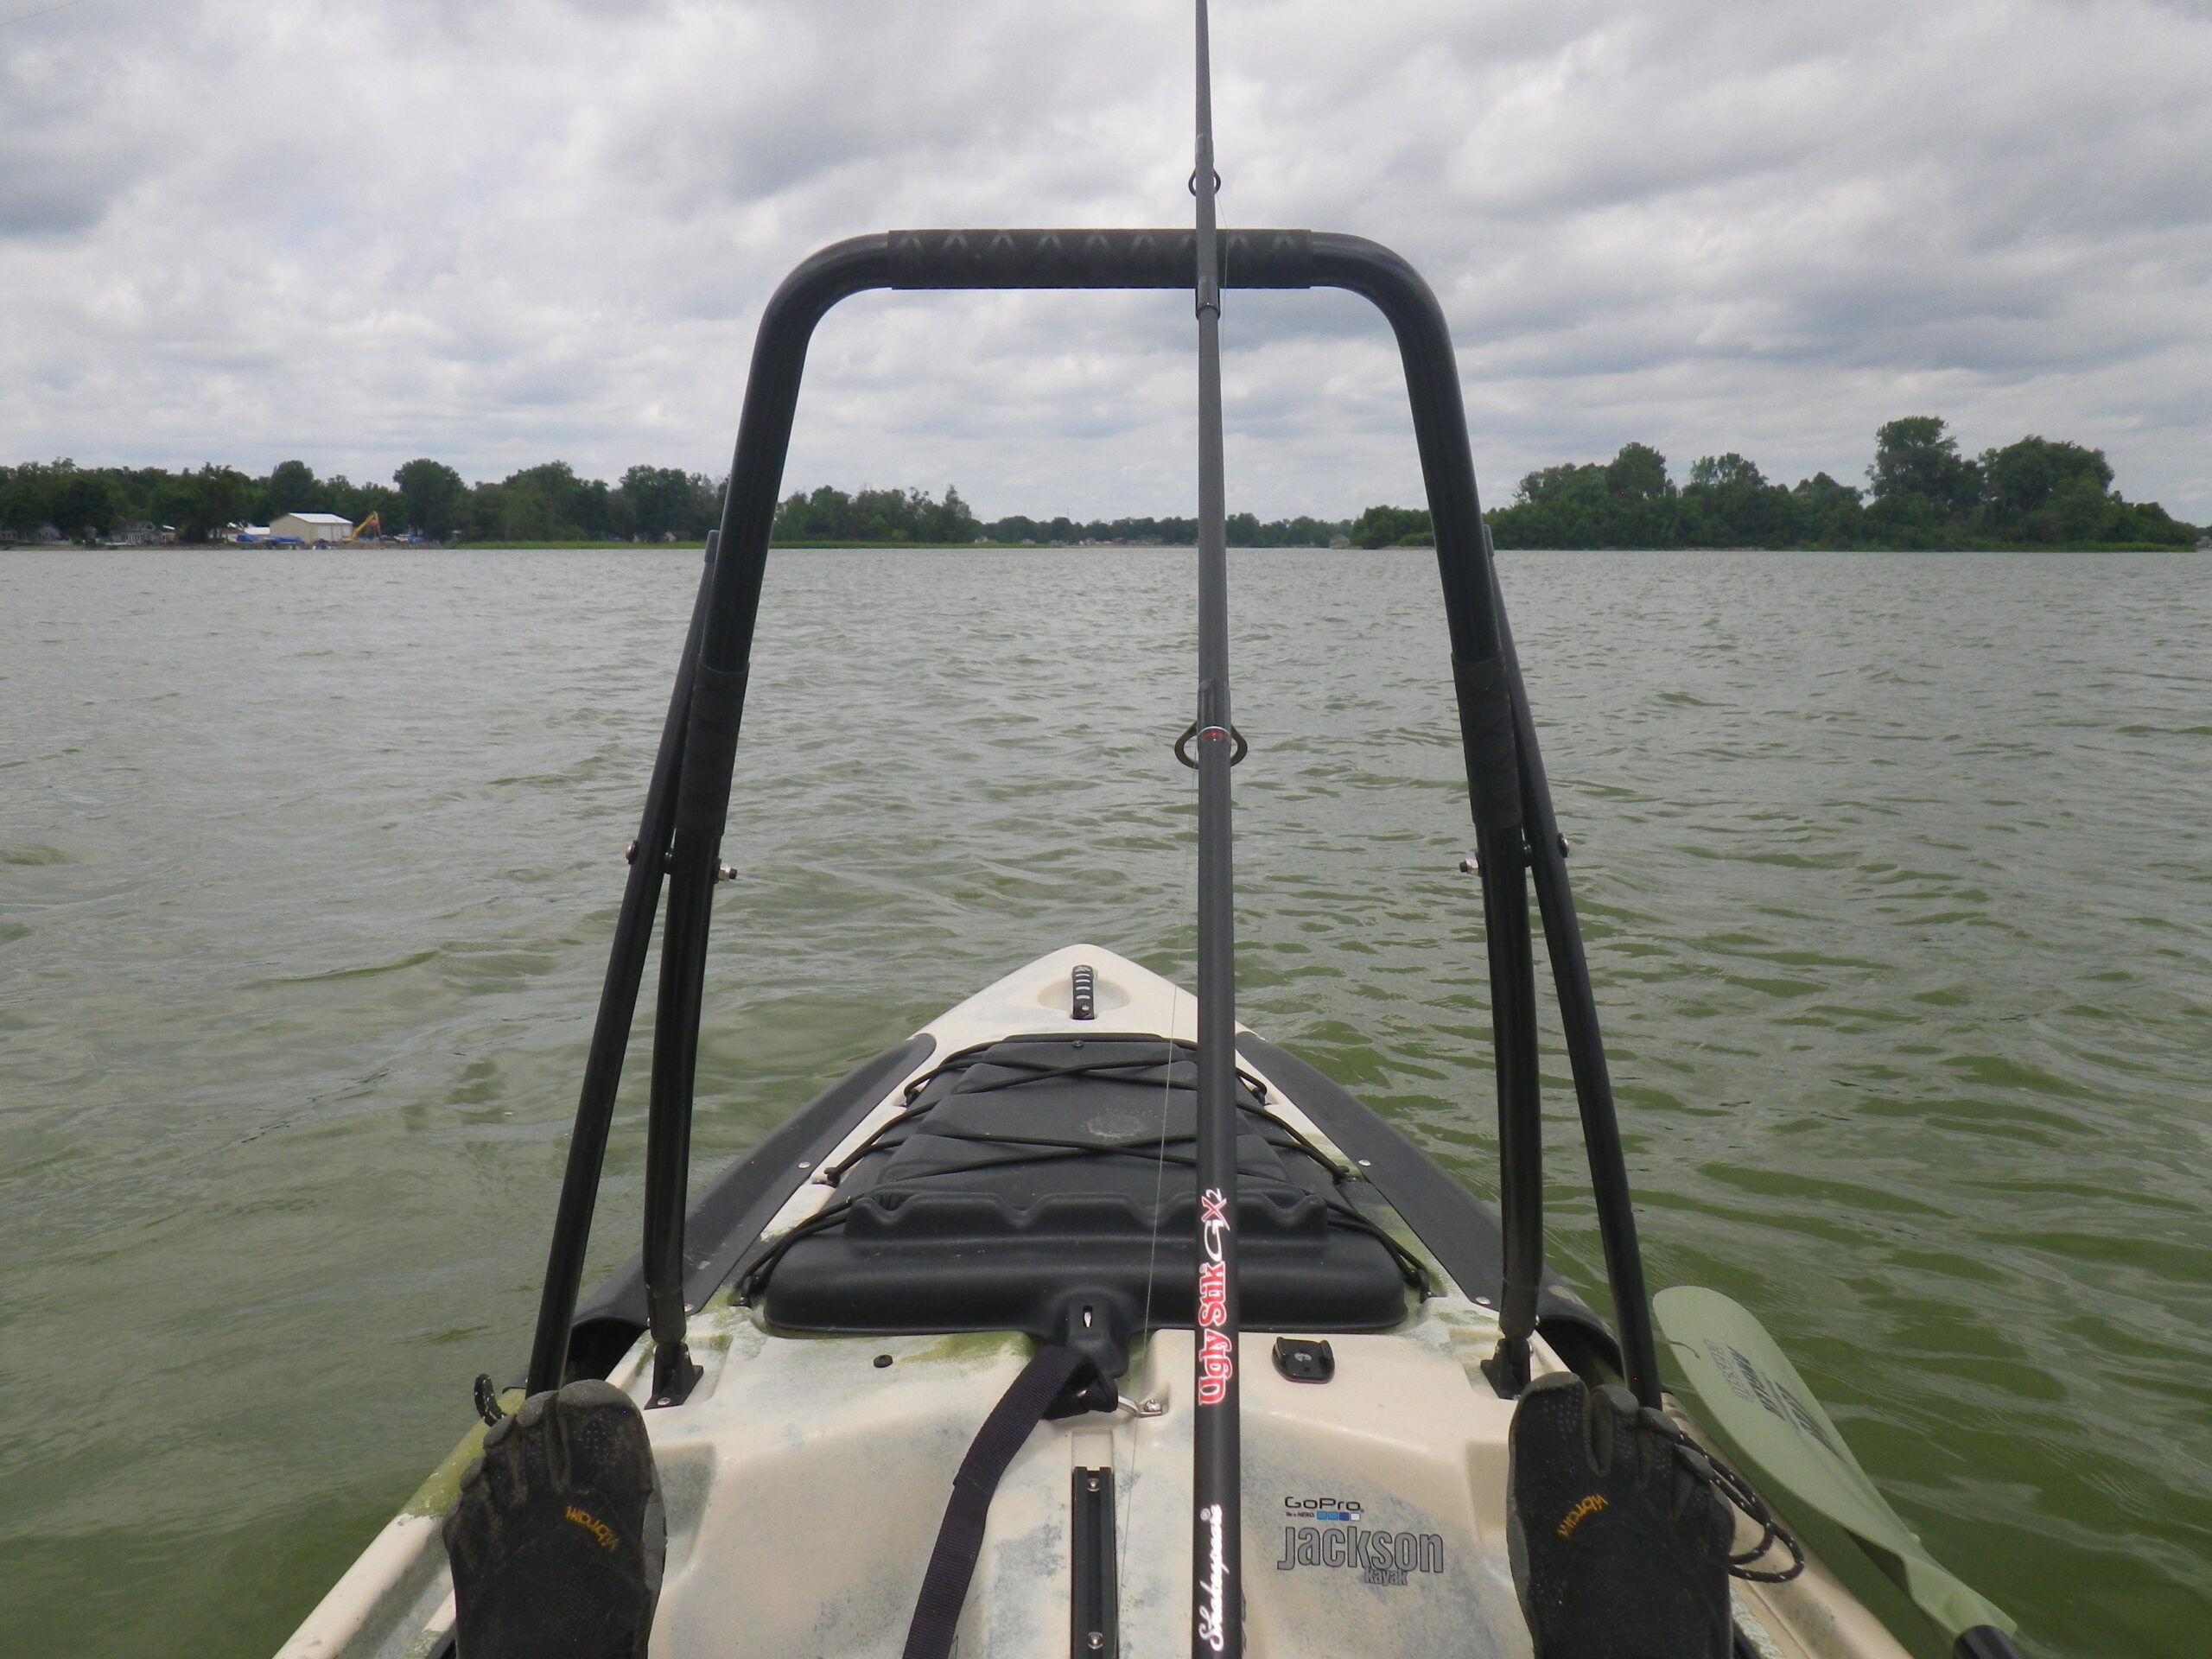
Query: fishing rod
(1217, 1590)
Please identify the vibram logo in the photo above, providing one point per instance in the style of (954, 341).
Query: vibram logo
(1576, 1516)
(599, 1529)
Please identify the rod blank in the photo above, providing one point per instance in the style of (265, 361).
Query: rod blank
(1217, 1542)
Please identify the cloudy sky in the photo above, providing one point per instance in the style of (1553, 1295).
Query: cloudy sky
(498, 231)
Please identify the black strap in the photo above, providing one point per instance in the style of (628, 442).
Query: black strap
(959, 1536)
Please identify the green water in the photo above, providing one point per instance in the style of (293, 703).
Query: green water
(1896, 869)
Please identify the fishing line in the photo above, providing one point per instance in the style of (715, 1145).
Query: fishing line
(43, 12)
(1187, 891)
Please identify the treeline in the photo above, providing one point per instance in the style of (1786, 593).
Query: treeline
(547, 502)
(1921, 492)
(425, 498)
(829, 515)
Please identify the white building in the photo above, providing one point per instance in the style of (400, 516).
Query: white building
(313, 527)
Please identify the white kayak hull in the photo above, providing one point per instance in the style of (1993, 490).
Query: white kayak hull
(805, 1477)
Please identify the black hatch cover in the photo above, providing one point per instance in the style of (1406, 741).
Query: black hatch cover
(1043, 1185)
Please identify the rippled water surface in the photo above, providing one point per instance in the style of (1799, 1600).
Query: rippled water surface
(1895, 869)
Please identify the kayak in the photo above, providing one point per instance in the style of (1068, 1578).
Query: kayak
(1087, 1316)
(842, 1379)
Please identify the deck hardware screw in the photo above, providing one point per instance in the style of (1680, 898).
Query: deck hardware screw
(1367, 1163)
(1471, 866)
(1097, 1641)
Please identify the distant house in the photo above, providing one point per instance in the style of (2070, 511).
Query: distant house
(144, 533)
(314, 529)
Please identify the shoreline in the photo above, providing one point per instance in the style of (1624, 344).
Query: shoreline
(1028, 547)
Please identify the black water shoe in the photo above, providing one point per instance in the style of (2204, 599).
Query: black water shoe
(1619, 1538)
(557, 1537)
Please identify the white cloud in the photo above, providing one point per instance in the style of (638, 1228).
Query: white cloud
(503, 232)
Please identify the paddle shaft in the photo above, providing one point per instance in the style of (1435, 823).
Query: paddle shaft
(1218, 1597)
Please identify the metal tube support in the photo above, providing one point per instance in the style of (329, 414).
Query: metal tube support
(1482, 677)
(1586, 1048)
(1217, 1552)
(1088, 258)
(715, 712)
(610, 1036)
(1520, 1119)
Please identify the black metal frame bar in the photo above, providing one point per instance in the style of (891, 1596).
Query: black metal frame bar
(610, 1037)
(1515, 832)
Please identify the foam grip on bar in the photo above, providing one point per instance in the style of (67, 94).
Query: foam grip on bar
(1486, 733)
(1045, 258)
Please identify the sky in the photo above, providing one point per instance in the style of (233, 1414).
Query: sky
(503, 232)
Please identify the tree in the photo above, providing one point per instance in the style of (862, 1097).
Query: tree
(1567, 505)
(1917, 460)
(202, 503)
(1828, 514)
(667, 502)
(487, 508)
(26, 498)
(85, 503)
(291, 488)
(1727, 472)
(534, 502)
(550, 502)
(435, 495)
(1018, 527)
(954, 520)
(1731, 504)
(1382, 526)
(2020, 479)
(830, 514)
(820, 516)
(1638, 473)
(2078, 510)
(1645, 511)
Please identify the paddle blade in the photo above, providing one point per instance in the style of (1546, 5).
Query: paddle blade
(1753, 1393)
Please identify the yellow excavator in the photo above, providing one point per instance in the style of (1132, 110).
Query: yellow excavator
(371, 523)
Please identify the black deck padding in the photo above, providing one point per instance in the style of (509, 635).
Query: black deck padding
(1027, 1183)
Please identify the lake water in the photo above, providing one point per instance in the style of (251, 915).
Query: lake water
(1895, 867)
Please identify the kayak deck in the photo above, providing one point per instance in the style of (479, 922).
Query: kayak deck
(805, 1475)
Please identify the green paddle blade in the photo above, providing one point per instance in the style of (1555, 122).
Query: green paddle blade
(1753, 1393)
